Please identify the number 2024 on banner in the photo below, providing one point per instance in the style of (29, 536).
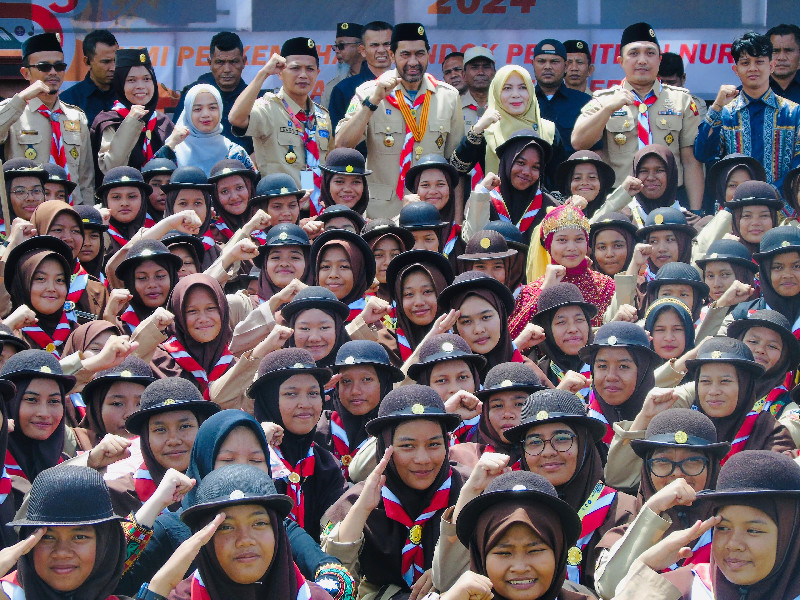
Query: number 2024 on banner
(468, 7)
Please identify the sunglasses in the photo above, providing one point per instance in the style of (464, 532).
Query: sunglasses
(46, 67)
(343, 45)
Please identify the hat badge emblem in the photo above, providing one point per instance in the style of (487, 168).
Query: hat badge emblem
(519, 488)
(345, 25)
(542, 415)
(485, 243)
(579, 45)
(284, 190)
(142, 58)
(126, 373)
(506, 383)
(612, 340)
(124, 178)
(659, 219)
(785, 243)
(169, 401)
(421, 30)
(714, 255)
(447, 347)
(681, 437)
(298, 366)
(283, 235)
(86, 220)
(417, 409)
(349, 168)
(147, 252)
(716, 354)
(652, 33)
(236, 495)
(311, 43)
(350, 360)
(45, 369)
(227, 170)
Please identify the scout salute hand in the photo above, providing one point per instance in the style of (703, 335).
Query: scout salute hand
(386, 82)
(726, 93)
(137, 112)
(9, 556)
(275, 65)
(34, 90)
(620, 98)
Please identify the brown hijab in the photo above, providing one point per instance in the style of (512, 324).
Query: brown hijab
(20, 290)
(44, 215)
(671, 191)
(360, 283)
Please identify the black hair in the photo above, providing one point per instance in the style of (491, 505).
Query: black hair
(225, 41)
(453, 55)
(97, 36)
(375, 26)
(671, 65)
(784, 29)
(753, 44)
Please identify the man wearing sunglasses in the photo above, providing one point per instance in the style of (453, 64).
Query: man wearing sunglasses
(348, 57)
(36, 125)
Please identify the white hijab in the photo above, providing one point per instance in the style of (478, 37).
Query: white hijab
(200, 149)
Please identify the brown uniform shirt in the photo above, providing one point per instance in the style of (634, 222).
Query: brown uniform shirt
(386, 131)
(26, 133)
(674, 119)
(471, 111)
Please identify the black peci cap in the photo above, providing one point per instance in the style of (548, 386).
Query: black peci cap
(578, 46)
(133, 57)
(299, 46)
(638, 32)
(408, 32)
(43, 42)
(349, 30)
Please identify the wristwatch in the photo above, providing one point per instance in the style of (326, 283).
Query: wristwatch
(370, 105)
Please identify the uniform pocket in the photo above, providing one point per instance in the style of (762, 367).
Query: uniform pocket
(387, 135)
(29, 138)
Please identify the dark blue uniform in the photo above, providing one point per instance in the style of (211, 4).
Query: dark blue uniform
(88, 97)
(790, 93)
(563, 109)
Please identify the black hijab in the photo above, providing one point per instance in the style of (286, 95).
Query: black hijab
(645, 381)
(518, 200)
(342, 336)
(671, 191)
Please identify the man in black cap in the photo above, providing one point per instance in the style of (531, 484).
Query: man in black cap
(226, 61)
(785, 80)
(94, 94)
(36, 125)
(643, 111)
(403, 115)
(348, 58)
(672, 72)
(291, 134)
(579, 65)
(557, 102)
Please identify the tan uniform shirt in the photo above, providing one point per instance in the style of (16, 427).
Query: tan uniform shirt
(26, 133)
(386, 131)
(276, 138)
(326, 95)
(674, 119)
(470, 109)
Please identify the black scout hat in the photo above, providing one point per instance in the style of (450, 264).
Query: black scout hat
(425, 257)
(39, 242)
(233, 485)
(283, 234)
(348, 30)
(299, 46)
(57, 174)
(681, 428)
(518, 488)
(441, 348)
(122, 177)
(420, 215)
(144, 250)
(189, 178)
(347, 161)
(509, 377)
(178, 238)
(286, 362)
(638, 32)
(559, 295)
(340, 210)
(576, 46)
(158, 166)
(430, 161)
(408, 32)
(230, 166)
(755, 193)
(366, 352)
(729, 251)
(131, 370)
(166, 395)
(723, 165)
(554, 406)
(665, 218)
(379, 227)
(315, 296)
(411, 401)
(509, 231)
(584, 157)
(680, 273)
(754, 473)
(133, 57)
(725, 350)
(23, 167)
(778, 240)
(30, 364)
(617, 334)
(43, 42)
(771, 319)
(68, 495)
(486, 245)
(533, 138)
(346, 236)
(475, 280)
(609, 220)
(276, 185)
(8, 337)
(90, 217)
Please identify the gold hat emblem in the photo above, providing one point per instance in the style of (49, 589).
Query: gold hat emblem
(345, 26)
(236, 495)
(415, 533)
(574, 556)
(126, 373)
(86, 220)
(142, 58)
(542, 415)
(421, 30)
(350, 360)
(716, 354)
(612, 340)
(284, 190)
(447, 347)
(652, 33)
(124, 178)
(298, 366)
(45, 368)
(294, 477)
(349, 168)
(579, 45)
(485, 243)
(227, 170)
(169, 401)
(283, 235)
(785, 243)
(658, 219)
(311, 43)
(418, 409)
(506, 383)
(681, 437)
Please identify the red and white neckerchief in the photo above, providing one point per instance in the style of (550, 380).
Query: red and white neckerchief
(77, 285)
(356, 306)
(130, 318)
(516, 355)
(12, 468)
(103, 279)
(740, 440)
(294, 476)
(188, 363)
(413, 562)
(208, 241)
(79, 404)
(422, 100)
(222, 227)
(593, 514)
(642, 118)
(116, 235)
(475, 177)
(148, 221)
(2, 229)
(465, 431)
(402, 344)
(58, 154)
(143, 483)
(527, 217)
(596, 412)
(259, 236)
(308, 125)
(701, 553)
(648, 273)
(455, 233)
(5, 485)
(341, 445)
(199, 591)
(703, 583)
(44, 341)
(148, 128)
(795, 325)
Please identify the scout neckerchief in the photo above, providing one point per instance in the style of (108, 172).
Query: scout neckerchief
(465, 431)
(414, 132)
(143, 483)
(130, 318)
(593, 514)
(148, 221)
(188, 363)
(740, 440)
(58, 154)
(703, 583)
(642, 118)
(413, 563)
(294, 476)
(701, 553)
(403, 345)
(516, 356)
(219, 222)
(527, 217)
(648, 273)
(12, 468)
(341, 445)
(586, 371)
(356, 306)
(777, 399)
(307, 123)
(148, 128)
(116, 235)
(199, 591)
(79, 404)
(5, 485)
(455, 233)
(44, 341)
(77, 285)
(208, 241)
(596, 412)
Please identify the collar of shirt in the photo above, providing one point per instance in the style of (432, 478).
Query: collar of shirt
(559, 92)
(422, 89)
(656, 88)
(768, 98)
(467, 99)
(295, 108)
(366, 71)
(35, 103)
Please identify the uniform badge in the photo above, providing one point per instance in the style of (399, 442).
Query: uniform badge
(74, 153)
(349, 168)
(290, 157)
(346, 460)
(663, 121)
(294, 477)
(148, 134)
(311, 43)
(50, 347)
(31, 153)
(418, 150)
(421, 30)
(574, 556)
(345, 26)
(693, 108)
(415, 533)
(620, 139)
(71, 125)
(69, 306)
(669, 139)
(142, 58)
(439, 141)
(626, 124)
(388, 141)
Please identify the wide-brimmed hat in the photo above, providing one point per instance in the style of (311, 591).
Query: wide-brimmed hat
(681, 428)
(340, 210)
(475, 280)
(509, 231)
(612, 220)
(725, 350)
(22, 167)
(366, 352)
(34, 364)
(285, 363)
(486, 245)
(144, 250)
(732, 160)
(178, 238)
(379, 227)
(276, 185)
(345, 236)
(57, 174)
(531, 137)
(755, 193)
(617, 334)
(771, 319)
(315, 296)
(678, 273)
(187, 178)
(283, 234)
(90, 217)
(584, 157)
(411, 402)
(345, 161)
(754, 473)
(123, 177)
(131, 370)
(729, 251)
(7, 337)
(509, 377)
(665, 218)
(167, 395)
(228, 167)
(778, 240)
(38, 242)
(441, 348)
(158, 166)
(424, 257)
(558, 296)
(431, 161)
(416, 216)
(554, 406)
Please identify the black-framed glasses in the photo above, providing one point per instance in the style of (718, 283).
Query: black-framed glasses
(46, 67)
(560, 442)
(21, 193)
(664, 467)
(343, 45)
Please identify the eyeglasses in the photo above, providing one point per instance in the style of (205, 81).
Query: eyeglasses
(46, 67)
(343, 45)
(21, 193)
(664, 467)
(560, 442)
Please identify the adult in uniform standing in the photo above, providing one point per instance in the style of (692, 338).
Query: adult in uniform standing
(348, 57)
(579, 65)
(479, 70)
(643, 111)
(36, 125)
(403, 115)
(291, 134)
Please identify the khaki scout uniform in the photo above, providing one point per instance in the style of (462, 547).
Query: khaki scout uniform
(26, 133)
(326, 94)
(674, 119)
(277, 143)
(472, 112)
(386, 132)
